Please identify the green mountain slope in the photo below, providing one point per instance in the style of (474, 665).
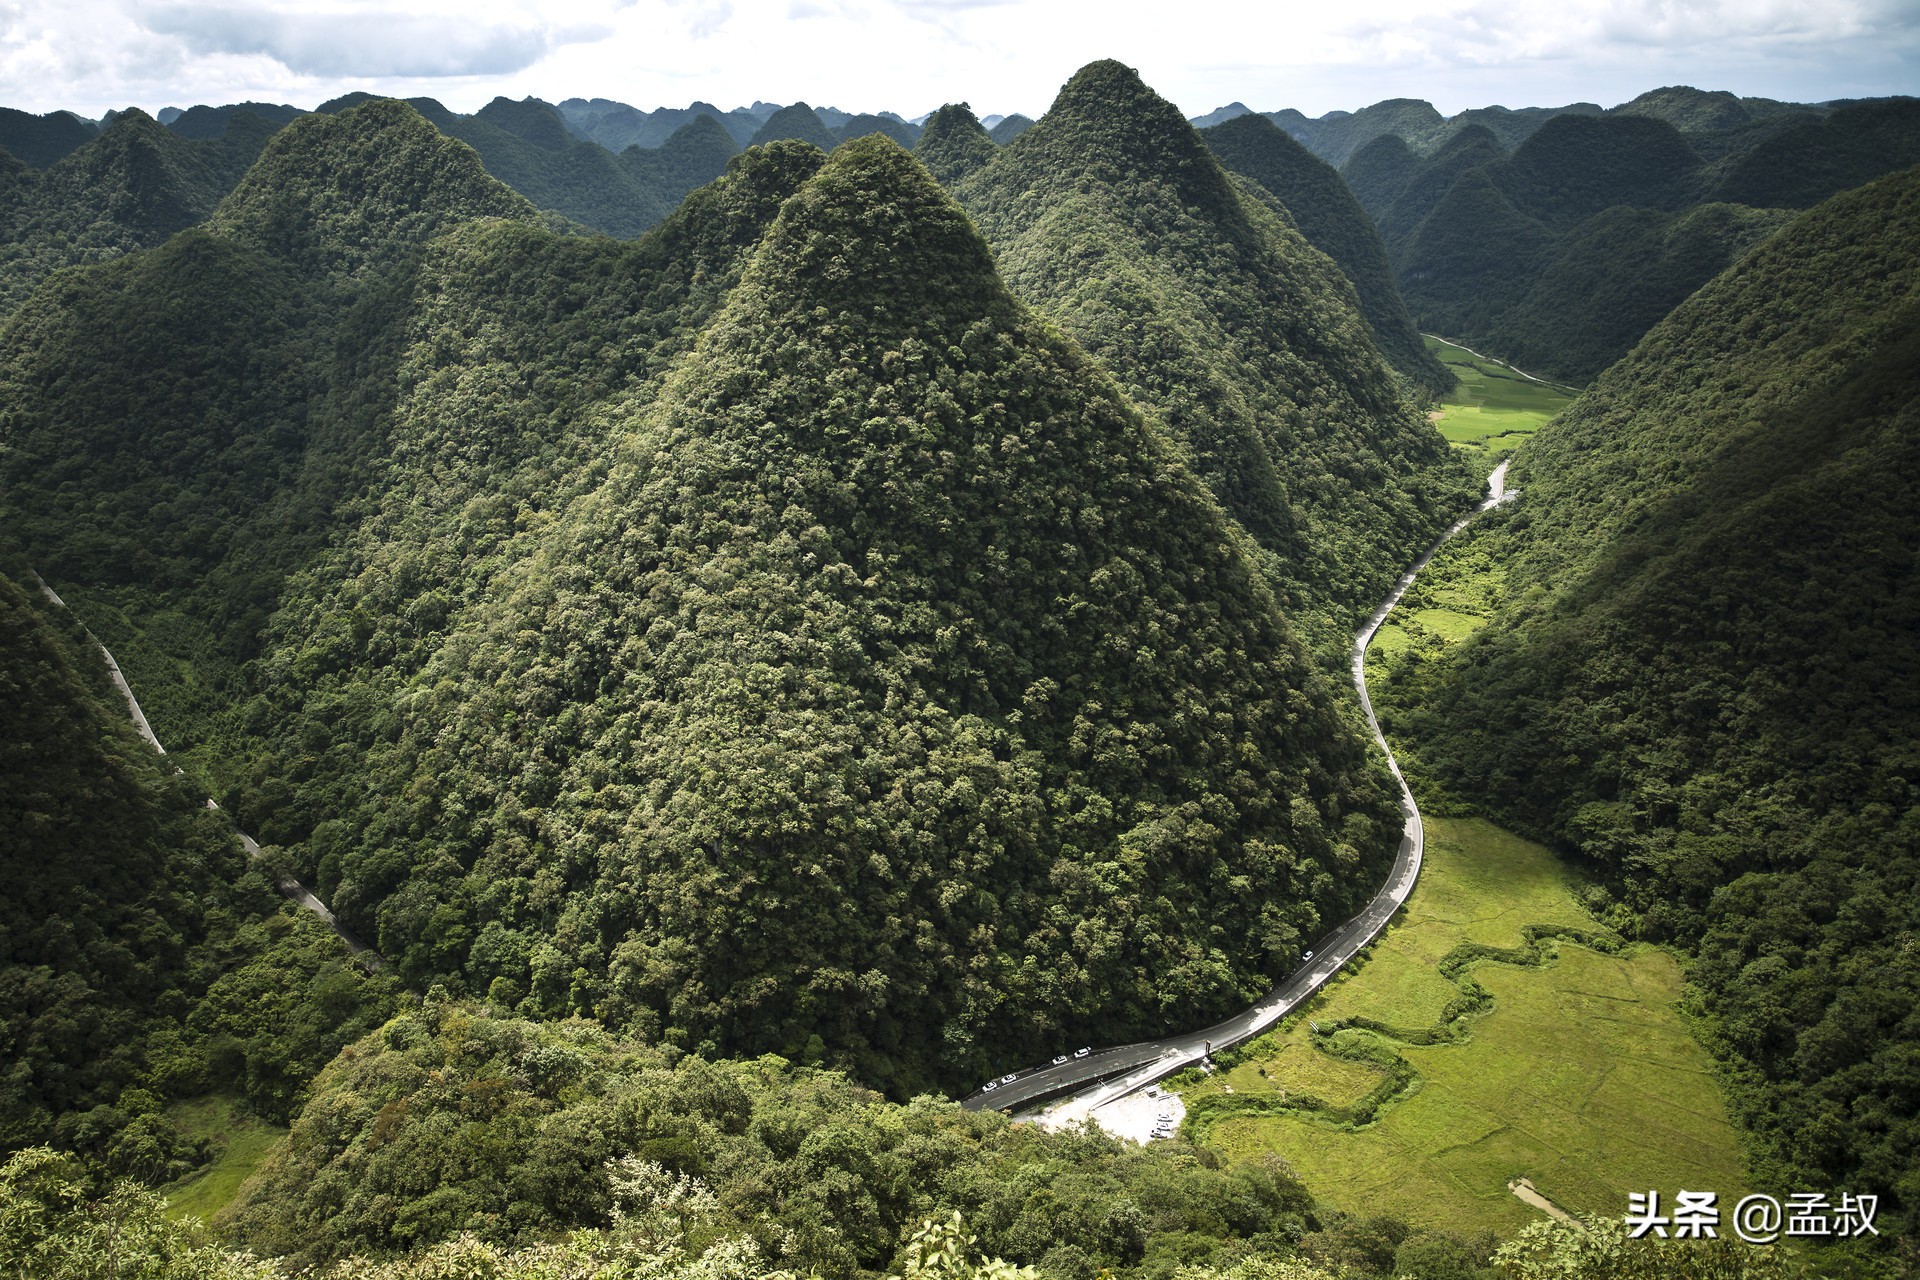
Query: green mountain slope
(861, 125)
(1575, 166)
(1009, 129)
(337, 194)
(880, 694)
(41, 140)
(826, 1176)
(1334, 223)
(140, 960)
(130, 188)
(953, 144)
(1425, 183)
(1627, 268)
(1112, 218)
(1378, 172)
(1703, 676)
(211, 123)
(1798, 167)
(798, 122)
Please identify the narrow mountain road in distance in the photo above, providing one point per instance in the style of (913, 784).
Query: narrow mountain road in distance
(287, 885)
(1120, 1070)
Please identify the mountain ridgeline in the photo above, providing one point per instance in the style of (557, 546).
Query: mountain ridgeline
(1702, 674)
(1561, 250)
(1330, 218)
(763, 635)
(895, 642)
(1112, 217)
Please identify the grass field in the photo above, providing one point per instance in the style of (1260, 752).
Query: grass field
(241, 1142)
(1493, 409)
(1581, 1076)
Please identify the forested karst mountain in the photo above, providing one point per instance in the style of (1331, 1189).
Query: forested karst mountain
(525, 145)
(1009, 129)
(139, 959)
(1111, 216)
(798, 122)
(881, 638)
(129, 188)
(1703, 675)
(1652, 198)
(39, 141)
(953, 145)
(955, 633)
(617, 126)
(1333, 222)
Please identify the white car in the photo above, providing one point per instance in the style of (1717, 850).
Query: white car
(1062, 1058)
(1306, 955)
(1081, 1053)
(1007, 1079)
(989, 1086)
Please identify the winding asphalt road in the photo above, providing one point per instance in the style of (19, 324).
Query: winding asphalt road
(1119, 1071)
(287, 885)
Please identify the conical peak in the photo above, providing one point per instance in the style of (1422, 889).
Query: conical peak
(873, 232)
(954, 143)
(1253, 130)
(336, 192)
(1108, 120)
(955, 115)
(1105, 84)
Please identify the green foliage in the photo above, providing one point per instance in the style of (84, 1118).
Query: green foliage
(130, 188)
(1562, 255)
(337, 195)
(1009, 129)
(799, 123)
(1670, 255)
(1800, 166)
(927, 685)
(1471, 258)
(1334, 223)
(1703, 676)
(39, 141)
(860, 126)
(138, 950)
(55, 1226)
(1217, 317)
(1597, 1249)
(450, 1121)
(953, 145)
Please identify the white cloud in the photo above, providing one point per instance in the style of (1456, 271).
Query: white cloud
(367, 43)
(911, 55)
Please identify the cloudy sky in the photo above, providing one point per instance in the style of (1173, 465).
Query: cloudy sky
(911, 55)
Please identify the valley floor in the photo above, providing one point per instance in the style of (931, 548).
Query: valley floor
(1581, 1076)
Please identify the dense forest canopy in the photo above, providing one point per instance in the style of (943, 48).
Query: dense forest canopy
(1703, 675)
(1558, 251)
(1067, 771)
(1113, 218)
(1324, 210)
(739, 629)
(140, 959)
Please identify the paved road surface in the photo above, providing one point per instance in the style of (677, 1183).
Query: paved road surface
(1118, 1071)
(288, 885)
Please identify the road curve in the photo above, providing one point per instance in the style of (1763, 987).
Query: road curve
(287, 885)
(1103, 1075)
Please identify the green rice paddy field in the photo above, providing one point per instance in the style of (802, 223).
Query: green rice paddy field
(1582, 1076)
(1494, 408)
